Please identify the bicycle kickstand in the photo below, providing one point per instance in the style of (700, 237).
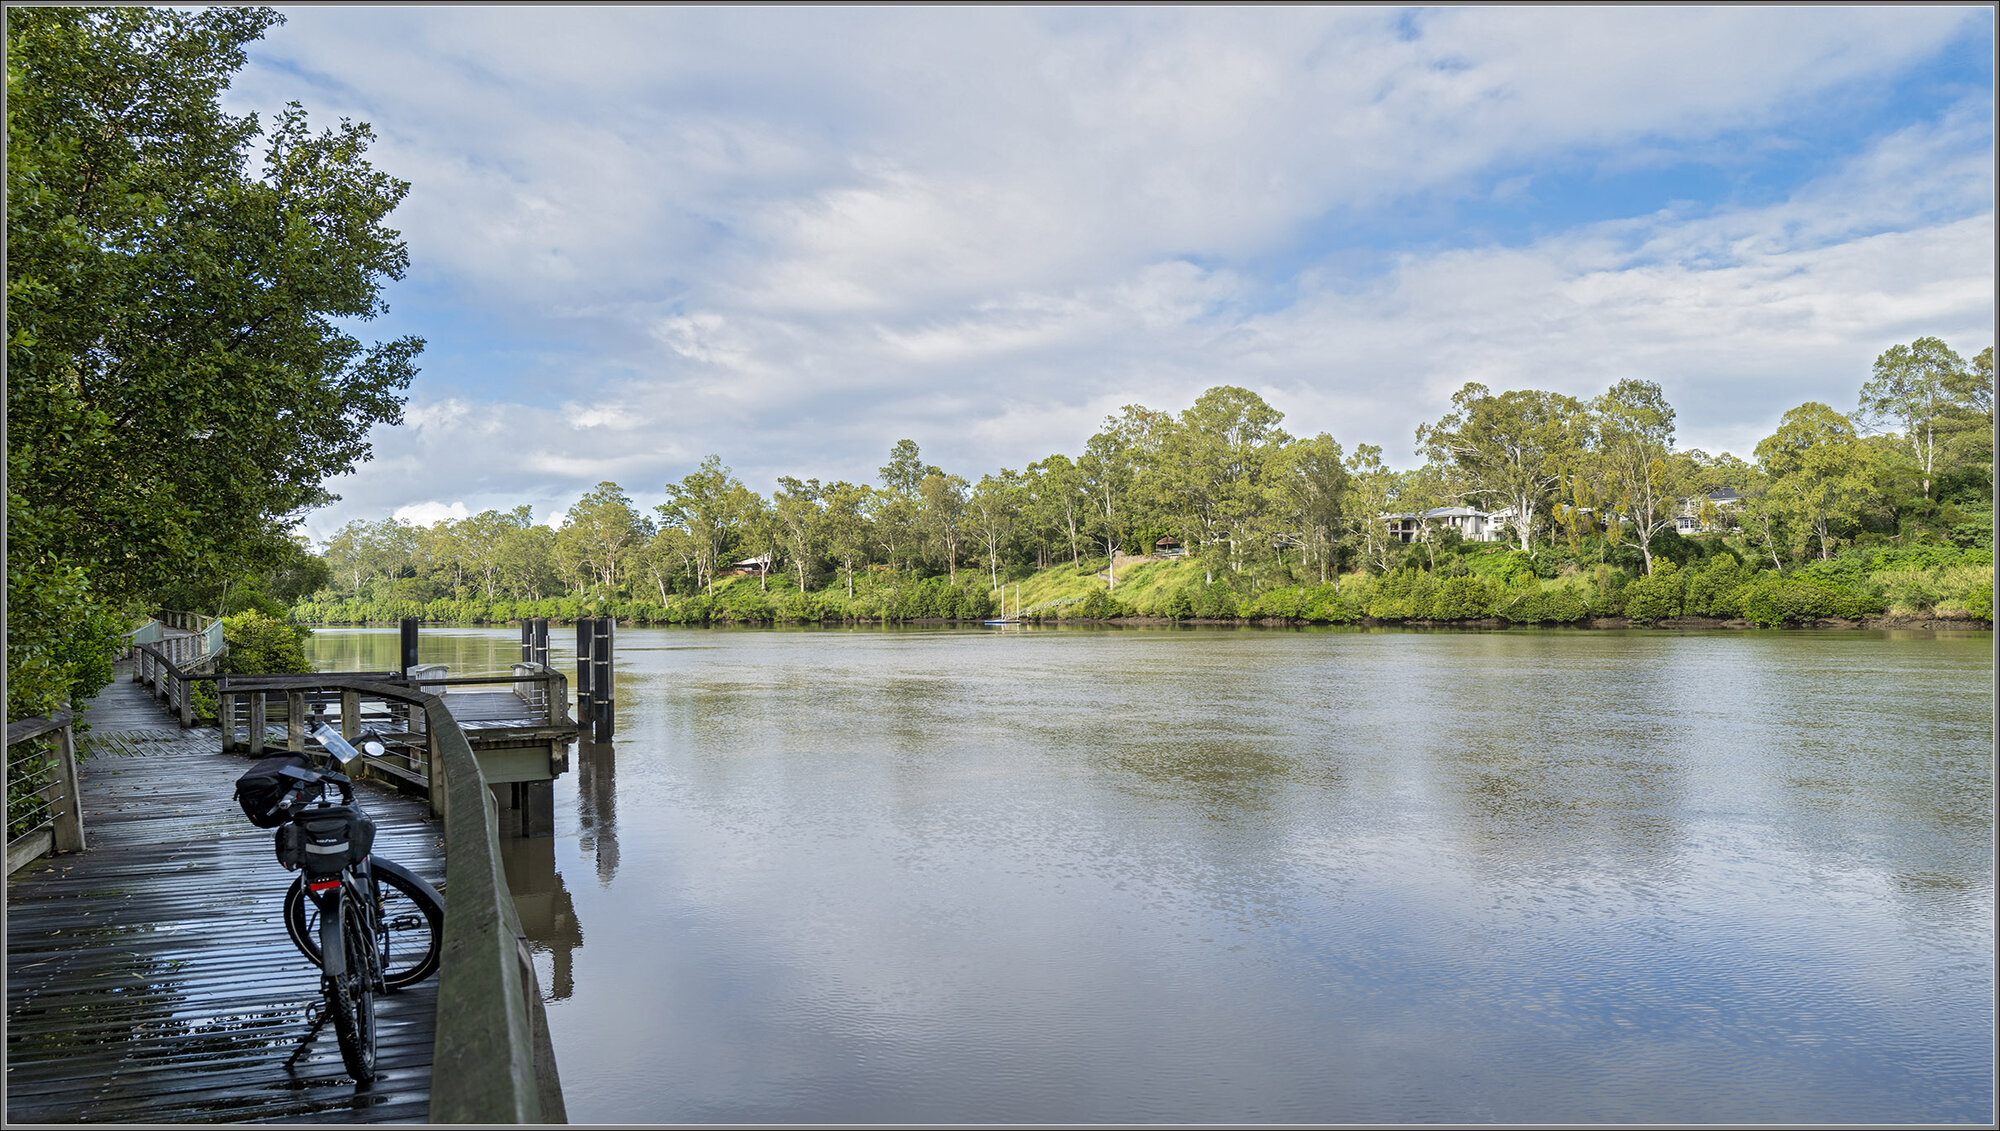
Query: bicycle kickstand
(317, 1016)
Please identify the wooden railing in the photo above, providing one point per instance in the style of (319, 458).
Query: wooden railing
(493, 1062)
(44, 812)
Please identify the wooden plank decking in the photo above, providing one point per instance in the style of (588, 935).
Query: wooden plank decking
(149, 979)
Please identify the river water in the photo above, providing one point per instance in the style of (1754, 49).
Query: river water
(1213, 875)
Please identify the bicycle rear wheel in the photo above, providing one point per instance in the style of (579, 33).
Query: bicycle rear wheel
(409, 931)
(350, 995)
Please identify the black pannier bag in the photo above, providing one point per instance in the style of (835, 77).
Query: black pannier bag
(264, 792)
(323, 841)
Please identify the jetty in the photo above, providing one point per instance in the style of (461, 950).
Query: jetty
(150, 978)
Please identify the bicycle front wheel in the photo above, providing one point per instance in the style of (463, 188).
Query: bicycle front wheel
(409, 931)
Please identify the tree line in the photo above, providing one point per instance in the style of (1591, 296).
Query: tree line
(1589, 482)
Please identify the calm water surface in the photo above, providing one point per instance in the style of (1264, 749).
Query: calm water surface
(1313, 876)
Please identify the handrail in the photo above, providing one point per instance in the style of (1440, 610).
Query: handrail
(59, 825)
(492, 1062)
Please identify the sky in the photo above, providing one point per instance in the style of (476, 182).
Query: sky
(790, 237)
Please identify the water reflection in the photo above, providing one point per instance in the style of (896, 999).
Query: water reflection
(548, 914)
(1340, 876)
(596, 767)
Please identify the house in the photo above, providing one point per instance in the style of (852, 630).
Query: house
(759, 564)
(1168, 546)
(1472, 525)
(1707, 514)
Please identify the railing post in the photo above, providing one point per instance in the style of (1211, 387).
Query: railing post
(350, 714)
(440, 795)
(187, 703)
(69, 820)
(295, 720)
(225, 717)
(256, 724)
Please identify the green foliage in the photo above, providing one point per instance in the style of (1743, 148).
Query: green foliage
(180, 376)
(1771, 600)
(260, 644)
(1979, 601)
(1657, 596)
(60, 636)
(1714, 589)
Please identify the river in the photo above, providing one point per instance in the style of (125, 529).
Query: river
(1212, 875)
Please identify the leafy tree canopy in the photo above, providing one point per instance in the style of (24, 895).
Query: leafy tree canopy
(179, 382)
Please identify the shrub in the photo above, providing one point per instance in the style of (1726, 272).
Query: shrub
(1468, 597)
(1979, 602)
(263, 644)
(1656, 596)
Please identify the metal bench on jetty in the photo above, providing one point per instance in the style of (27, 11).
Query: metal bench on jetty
(150, 979)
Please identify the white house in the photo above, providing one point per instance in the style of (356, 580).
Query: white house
(1472, 525)
(1689, 520)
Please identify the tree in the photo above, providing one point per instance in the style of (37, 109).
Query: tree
(605, 528)
(1057, 500)
(1913, 389)
(1821, 474)
(1510, 447)
(847, 525)
(181, 379)
(699, 504)
(796, 506)
(1311, 486)
(1107, 475)
(943, 516)
(1373, 486)
(995, 505)
(1221, 449)
(1635, 457)
(898, 507)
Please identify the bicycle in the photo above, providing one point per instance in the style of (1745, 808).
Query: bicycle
(368, 923)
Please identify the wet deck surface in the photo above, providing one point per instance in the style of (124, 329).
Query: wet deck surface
(150, 980)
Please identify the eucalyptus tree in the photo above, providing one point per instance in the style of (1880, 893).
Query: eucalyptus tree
(757, 530)
(1822, 475)
(700, 505)
(848, 527)
(527, 556)
(1915, 388)
(1373, 488)
(796, 506)
(995, 509)
(181, 376)
(482, 543)
(1057, 501)
(898, 508)
(1635, 459)
(1221, 448)
(1311, 488)
(605, 528)
(1107, 476)
(440, 553)
(1510, 447)
(942, 501)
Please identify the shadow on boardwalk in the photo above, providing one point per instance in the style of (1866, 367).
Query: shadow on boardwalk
(149, 979)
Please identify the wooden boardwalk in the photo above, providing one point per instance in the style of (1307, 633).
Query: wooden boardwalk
(150, 980)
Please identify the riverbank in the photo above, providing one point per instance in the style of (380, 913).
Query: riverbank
(1893, 587)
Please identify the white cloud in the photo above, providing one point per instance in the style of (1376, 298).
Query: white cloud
(430, 513)
(792, 237)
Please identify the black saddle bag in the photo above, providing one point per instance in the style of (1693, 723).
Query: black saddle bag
(323, 841)
(266, 794)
